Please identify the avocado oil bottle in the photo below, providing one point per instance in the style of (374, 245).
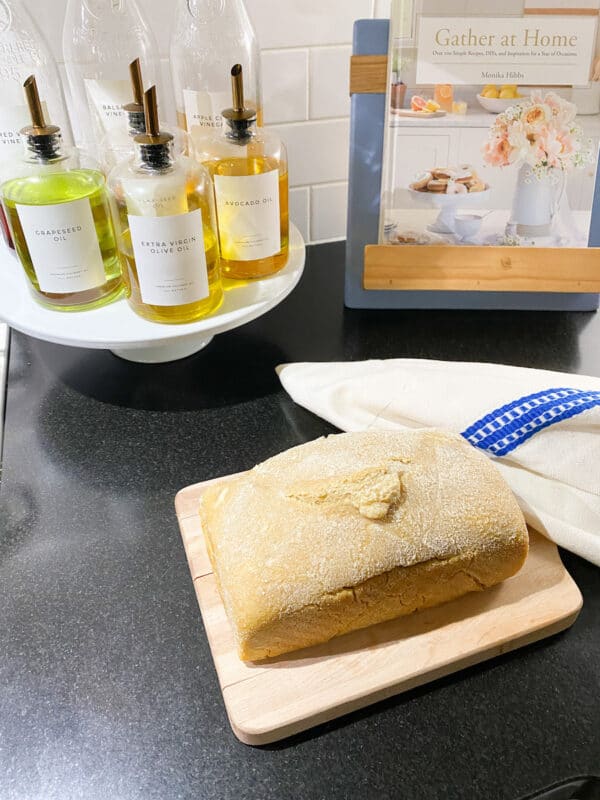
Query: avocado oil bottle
(60, 220)
(166, 228)
(249, 169)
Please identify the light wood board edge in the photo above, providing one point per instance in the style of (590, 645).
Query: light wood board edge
(368, 74)
(481, 269)
(257, 735)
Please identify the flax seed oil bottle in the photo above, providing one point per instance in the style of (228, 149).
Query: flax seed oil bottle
(249, 170)
(166, 228)
(60, 220)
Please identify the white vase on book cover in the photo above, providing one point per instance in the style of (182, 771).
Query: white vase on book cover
(536, 200)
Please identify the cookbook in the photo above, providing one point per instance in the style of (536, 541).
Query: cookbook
(493, 123)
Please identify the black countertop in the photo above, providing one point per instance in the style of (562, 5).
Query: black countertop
(107, 688)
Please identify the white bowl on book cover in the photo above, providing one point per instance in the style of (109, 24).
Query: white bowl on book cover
(449, 205)
(116, 328)
(496, 105)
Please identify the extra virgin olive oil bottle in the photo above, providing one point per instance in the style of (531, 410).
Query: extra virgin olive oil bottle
(250, 175)
(166, 228)
(60, 220)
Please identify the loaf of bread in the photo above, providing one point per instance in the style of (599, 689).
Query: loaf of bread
(355, 529)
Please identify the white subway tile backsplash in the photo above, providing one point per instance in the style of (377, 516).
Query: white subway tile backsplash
(300, 210)
(329, 78)
(328, 209)
(299, 23)
(285, 85)
(318, 151)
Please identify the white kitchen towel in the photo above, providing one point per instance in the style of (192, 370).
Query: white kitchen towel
(541, 429)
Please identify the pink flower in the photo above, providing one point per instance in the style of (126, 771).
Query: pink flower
(537, 115)
(552, 147)
(496, 152)
(567, 143)
(561, 109)
(541, 132)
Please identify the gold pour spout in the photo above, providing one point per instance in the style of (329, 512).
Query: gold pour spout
(153, 135)
(33, 101)
(238, 113)
(151, 112)
(38, 126)
(237, 87)
(137, 84)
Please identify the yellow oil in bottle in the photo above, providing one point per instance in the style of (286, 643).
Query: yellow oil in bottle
(63, 187)
(187, 312)
(247, 166)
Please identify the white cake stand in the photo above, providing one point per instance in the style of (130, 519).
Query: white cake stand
(115, 327)
(449, 205)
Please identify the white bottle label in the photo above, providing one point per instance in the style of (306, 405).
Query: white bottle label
(63, 245)
(203, 109)
(12, 120)
(248, 213)
(107, 99)
(170, 258)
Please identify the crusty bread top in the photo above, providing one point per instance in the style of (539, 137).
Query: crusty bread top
(337, 511)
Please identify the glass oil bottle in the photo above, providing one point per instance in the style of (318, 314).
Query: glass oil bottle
(60, 220)
(208, 36)
(248, 166)
(118, 143)
(100, 39)
(166, 228)
(23, 50)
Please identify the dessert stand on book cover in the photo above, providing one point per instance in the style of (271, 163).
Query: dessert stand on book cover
(442, 275)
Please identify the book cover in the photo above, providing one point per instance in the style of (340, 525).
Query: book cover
(493, 123)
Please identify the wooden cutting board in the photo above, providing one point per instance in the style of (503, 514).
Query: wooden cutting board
(273, 699)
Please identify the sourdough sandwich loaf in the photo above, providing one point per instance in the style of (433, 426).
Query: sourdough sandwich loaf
(355, 529)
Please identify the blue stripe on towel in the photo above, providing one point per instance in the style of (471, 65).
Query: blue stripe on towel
(507, 427)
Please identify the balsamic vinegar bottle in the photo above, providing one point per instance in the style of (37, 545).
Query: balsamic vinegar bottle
(166, 228)
(100, 39)
(60, 219)
(250, 175)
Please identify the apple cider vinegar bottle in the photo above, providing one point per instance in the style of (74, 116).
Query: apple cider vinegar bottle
(208, 36)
